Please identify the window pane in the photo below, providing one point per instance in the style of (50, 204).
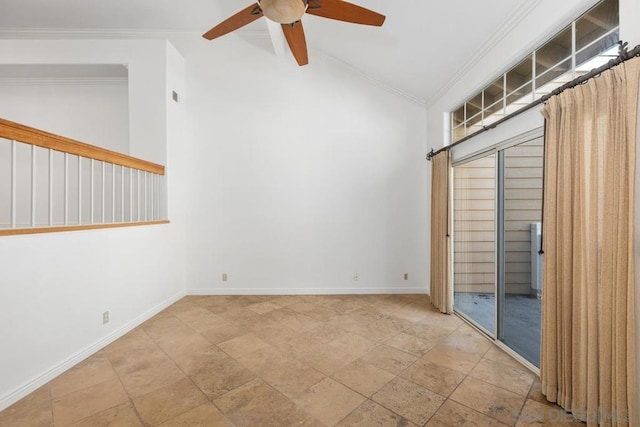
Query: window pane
(458, 133)
(596, 49)
(458, 116)
(555, 77)
(474, 106)
(554, 51)
(519, 75)
(597, 22)
(474, 240)
(493, 97)
(522, 263)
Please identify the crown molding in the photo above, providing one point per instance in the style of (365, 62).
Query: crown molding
(516, 18)
(63, 81)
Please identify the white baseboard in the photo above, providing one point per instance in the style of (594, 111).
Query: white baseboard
(20, 392)
(305, 291)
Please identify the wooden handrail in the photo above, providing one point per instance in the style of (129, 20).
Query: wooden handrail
(21, 133)
(54, 229)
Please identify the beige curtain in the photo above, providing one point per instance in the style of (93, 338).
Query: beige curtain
(441, 292)
(588, 360)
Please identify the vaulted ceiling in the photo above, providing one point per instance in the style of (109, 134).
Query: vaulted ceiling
(420, 48)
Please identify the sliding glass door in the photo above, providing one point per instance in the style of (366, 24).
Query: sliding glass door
(497, 268)
(474, 239)
(521, 282)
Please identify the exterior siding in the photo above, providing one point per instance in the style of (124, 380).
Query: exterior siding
(474, 212)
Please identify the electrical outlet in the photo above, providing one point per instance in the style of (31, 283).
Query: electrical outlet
(224, 277)
(406, 276)
(105, 317)
(355, 277)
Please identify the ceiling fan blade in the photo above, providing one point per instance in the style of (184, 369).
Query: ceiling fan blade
(294, 33)
(240, 19)
(343, 11)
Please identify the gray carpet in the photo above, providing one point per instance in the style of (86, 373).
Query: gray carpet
(522, 316)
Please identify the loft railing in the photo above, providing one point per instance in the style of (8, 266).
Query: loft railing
(50, 183)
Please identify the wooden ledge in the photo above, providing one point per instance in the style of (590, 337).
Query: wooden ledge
(25, 134)
(39, 230)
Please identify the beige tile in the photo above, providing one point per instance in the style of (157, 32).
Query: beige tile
(376, 333)
(283, 300)
(287, 414)
(497, 355)
(263, 359)
(362, 377)
(323, 300)
(247, 300)
(453, 414)
(329, 401)
(410, 344)
(541, 414)
(346, 306)
(223, 331)
(136, 359)
(453, 358)
(165, 326)
(327, 359)
(434, 377)
(389, 359)
(470, 344)
(488, 399)
(201, 360)
(446, 321)
(352, 344)
(253, 403)
(178, 345)
(535, 393)
(393, 322)
(160, 373)
(303, 307)
(33, 410)
(120, 416)
(205, 415)
(325, 332)
(134, 340)
(239, 346)
(291, 319)
(168, 402)
(222, 377)
(300, 344)
(83, 403)
(371, 414)
(94, 370)
(366, 314)
(428, 332)
(274, 334)
(263, 307)
(412, 312)
(201, 322)
(517, 379)
(410, 400)
(285, 374)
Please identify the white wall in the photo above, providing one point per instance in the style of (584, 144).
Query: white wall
(301, 177)
(54, 287)
(96, 113)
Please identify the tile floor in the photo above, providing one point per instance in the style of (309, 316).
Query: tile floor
(347, 360)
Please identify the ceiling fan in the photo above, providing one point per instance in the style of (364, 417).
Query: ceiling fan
(289, 12)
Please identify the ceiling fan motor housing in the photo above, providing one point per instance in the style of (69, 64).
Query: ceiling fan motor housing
(283, 11)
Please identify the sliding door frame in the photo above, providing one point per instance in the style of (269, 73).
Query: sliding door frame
(498, 150)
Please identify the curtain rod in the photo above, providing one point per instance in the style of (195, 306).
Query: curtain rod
(623, 55)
